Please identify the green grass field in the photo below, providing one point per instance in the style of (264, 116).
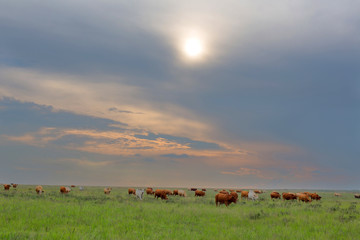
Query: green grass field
(90, 214)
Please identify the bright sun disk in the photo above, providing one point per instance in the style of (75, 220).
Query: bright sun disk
(193, 47)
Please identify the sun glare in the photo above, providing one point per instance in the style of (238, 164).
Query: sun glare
(193, 47)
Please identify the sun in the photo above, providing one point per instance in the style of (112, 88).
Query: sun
(193, 47)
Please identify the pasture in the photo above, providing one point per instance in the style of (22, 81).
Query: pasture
(90, 214)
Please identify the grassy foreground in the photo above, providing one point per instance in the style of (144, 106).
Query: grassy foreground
(90, 214)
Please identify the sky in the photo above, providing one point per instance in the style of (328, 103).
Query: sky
(240, 94)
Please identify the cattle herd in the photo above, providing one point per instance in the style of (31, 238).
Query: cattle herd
(222, 197)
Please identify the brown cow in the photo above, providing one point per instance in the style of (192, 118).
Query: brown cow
(289, 196)
(64, 190)
(258, 191)
(131, 191)
(315, 196)
(193, 189)
(244, 194)
(222, 198)
(238, 191)
(199, 193)
(275, 195)
(307, 193)
(168, 192)
(224, 192)
(7, 186)
(160, 193)
(39, 189)
(304, 198)
(337, 194)
(182, 193)
(149, 191)
(107, 190)
(73, 186)
(204, 189)
(357, 195)
(14, 185)
(235, 195)
(176, 192)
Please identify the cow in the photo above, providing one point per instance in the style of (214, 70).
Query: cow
(199, 193)
(304, 198)
(258, 191)
(235, 196)
(7, 186)
(244, 194)
(160, 193)
(315, 196)
(193, 189)
(357, 195)
(176, 192)
(73, 186)
(223, 192)
(14, 185)
(139, 193)
(275, 195)
(238, 191)
(289, 196)
(107, 190)
(182, 193)
(252, 195)
(224, 198)
(168, 192)
(337, 194)
(307, 193)
(204, 189)
(39, 190)
(231, 190)
(131, 191)
(149, 191)
(64, 190)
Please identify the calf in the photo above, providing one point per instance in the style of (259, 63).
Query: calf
(131, 191)
(160, 193)
(304, 198)
(107, 190)
(7, 186)
(139, 193)
(275, 195)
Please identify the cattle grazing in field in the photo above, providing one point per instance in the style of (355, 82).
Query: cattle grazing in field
(315, 196)
(131, 191)
(64, 190)
(199, 193)
(14, 185)
(204, 189)
(73, 186)
(193, 189)
(252, 195)
(304, 198)
(289, 196)
(7, 186)
(357, 195)
(258, 191)
(149, 191)
(244, 194)
(275, 195)
(337, 194)
(139, 193)
(160, 193)
(224, 198)
(182, 193)
(107, 190)
(175, 192)
(39, 190)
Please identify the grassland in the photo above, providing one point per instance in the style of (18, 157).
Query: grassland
(90, 214)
